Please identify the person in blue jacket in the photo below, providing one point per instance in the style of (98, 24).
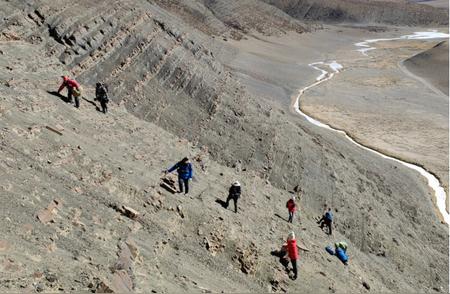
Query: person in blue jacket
(327, 220)
(185, 173)
(341, 251)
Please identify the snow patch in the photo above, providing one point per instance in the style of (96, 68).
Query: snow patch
(434, 34)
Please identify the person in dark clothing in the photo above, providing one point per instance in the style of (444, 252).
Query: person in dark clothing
(73, 90)
(327, 220)
(234, 194)
(185, 173)
(101, 95)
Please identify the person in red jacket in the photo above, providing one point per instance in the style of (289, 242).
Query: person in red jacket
(292, 251)
(71, 85)
(292, 208)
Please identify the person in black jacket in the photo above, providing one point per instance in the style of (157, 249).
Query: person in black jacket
(101, 95)
(234, 193)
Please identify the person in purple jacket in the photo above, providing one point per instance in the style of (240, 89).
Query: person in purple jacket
(185, 173)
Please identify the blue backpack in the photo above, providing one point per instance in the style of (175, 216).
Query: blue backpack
(340, 253)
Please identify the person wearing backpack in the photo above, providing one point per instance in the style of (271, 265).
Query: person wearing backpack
(185, 173)
(101, 95)
(73, 90)
(292, 208)
(341, 251)
(327, 220)
(234, 193)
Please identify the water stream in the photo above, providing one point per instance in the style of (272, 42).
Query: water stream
(335, 68)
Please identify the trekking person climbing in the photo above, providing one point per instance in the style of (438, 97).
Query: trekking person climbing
(341, 251)
(234, 193)
(292, 251)
(101, 95)
(185, 173)
(343, 245)
(292, 208)
(327, 220)
(73, 90)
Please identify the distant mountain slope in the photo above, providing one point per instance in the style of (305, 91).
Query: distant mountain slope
(388, 12)
(232, 18)
(431, 65)
(434, 3)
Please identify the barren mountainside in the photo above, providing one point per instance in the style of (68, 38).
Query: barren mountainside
(171, 97)
(390, 12)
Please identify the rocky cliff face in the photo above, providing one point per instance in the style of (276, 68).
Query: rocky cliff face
(164, 72)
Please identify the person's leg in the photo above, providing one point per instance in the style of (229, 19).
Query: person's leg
(77, 101)
(69, 95)
(320, 221)
(180, 184)
(228, 201)
(330, 224)
(235, 204)
(323, 223)
(290, 217)
(103, 104)
(294, 267)
(186, 186)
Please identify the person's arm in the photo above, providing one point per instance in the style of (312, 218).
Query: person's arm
(191, 171)
(76, 85)
(63, 85)
(172, 168)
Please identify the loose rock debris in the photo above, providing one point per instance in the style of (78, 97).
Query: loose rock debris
(169, 184)
(247, 258)
(48, 214)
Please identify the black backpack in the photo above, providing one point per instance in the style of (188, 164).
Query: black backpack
(102, 93)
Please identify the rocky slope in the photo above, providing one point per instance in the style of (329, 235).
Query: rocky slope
(170, 90)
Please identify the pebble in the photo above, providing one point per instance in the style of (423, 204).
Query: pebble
(39, 287)
(51, 278)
